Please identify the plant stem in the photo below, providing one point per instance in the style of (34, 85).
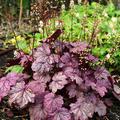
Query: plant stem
(20, 14)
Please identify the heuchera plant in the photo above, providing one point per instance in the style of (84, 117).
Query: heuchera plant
(64, 83)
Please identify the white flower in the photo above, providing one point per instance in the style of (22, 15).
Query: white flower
(114, 19)
(57, 23)
(71, 3)
(40, 30)
(79, 1)
(77, 14)
(63, 7)
(105, 14)
(15, 53)
(41, 23)
(108, 56)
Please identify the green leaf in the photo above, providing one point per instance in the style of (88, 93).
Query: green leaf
(15, 68)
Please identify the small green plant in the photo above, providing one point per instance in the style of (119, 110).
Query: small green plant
(15, 68)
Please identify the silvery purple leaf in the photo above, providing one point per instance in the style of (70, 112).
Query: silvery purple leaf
(100, 108)
(37, 87)
(59, 81)
(43, 59)
(68, 61)
(82, 110)
(37, 112)
(78, 47)
(41, 65)
(75, 91)
(6, 82)
(42, 51)
(4, 87)
(73, 74)
(61, 114)
(21, 95)
(41, 77)
(52, 103)
(101, 74)
(91, 58)
(72, 90)
(101, 89)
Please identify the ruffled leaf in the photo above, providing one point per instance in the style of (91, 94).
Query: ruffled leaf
(61, 114)
(78, 47)
(82, 110)
(52, 103)
(21, 95)
(68, 61)
(59, 81)
(73, 74)
(43, 59)
(6, 82)
(41, 77)
(37, 111)
(37, 87)
(100, 108)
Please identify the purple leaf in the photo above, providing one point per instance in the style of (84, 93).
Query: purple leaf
(91, 58)
(4, 87)
(43, 59)
(97, 87)
(42, 51)
(59, 81)
(18, 77)
(41, 65)
(102, 74)
(58, 46)
(82, 110)
(72, 90)
(37, 87)
(12, 78)
(100, 108)
(37, 112)
(21, 95)
(52, 103)
(68, 61)
(78, 47)
(24, 59)
(41, 77)
(61, 114)
(7, 82)
(75, 91)
(73, 74)
(101, 90)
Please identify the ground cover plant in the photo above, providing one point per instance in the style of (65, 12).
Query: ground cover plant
(60, 81)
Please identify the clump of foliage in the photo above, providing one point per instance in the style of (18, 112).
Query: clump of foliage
(60, 82)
